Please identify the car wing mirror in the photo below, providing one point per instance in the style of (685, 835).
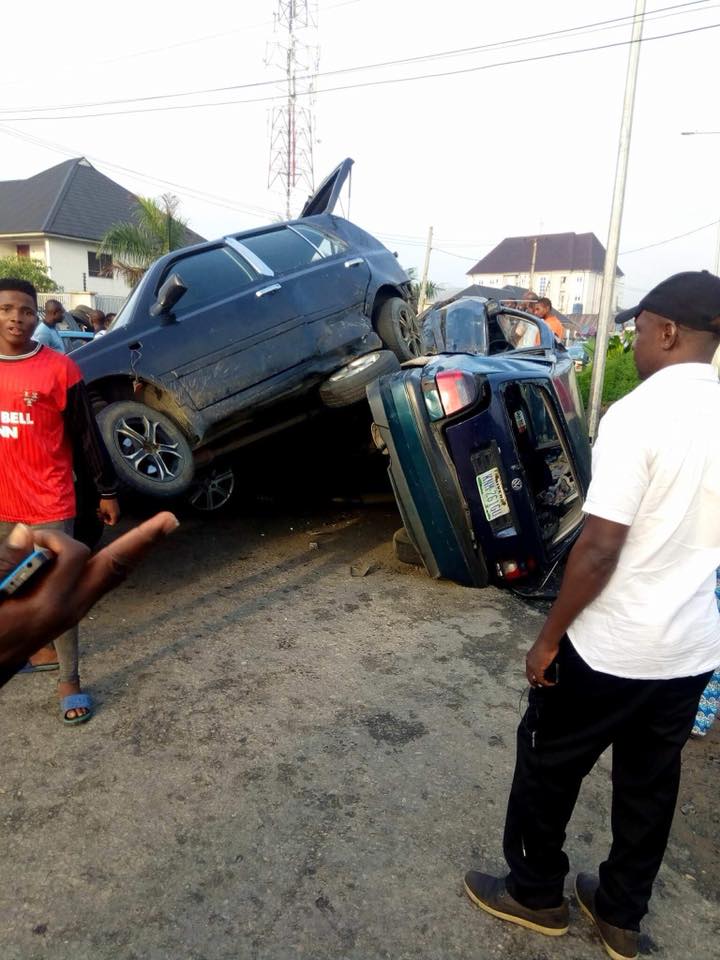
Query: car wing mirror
(168, 295)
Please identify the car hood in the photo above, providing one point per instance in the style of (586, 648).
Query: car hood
(326, 195)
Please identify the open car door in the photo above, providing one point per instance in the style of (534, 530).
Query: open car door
(326, 195)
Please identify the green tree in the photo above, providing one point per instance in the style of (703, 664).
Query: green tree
(156, 231)
(431, 289)
(23, 268)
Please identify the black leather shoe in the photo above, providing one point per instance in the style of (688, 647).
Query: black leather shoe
(620, 944)
(490, 895)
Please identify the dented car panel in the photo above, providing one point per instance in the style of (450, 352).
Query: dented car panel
(488, 457)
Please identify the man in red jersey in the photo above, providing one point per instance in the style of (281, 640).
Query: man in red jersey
(45, 423)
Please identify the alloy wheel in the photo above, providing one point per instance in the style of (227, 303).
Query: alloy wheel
(148, 449)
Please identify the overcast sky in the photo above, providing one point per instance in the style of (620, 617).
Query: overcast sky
(524, 148)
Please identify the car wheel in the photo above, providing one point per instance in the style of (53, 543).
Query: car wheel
(212, 489)
(405, 549)
(397, 327)
(148, 450)
(348, 384)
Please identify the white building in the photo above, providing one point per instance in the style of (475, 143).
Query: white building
(59, 217)
(566, 267)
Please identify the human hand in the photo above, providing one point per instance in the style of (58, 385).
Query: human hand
(109, 511)
(539, 657)
(71, 585)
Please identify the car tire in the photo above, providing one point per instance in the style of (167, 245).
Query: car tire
(149, 451)
(405, 549)
(348, 384)
(397, 326)
(212, 489)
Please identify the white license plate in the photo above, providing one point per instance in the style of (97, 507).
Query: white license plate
(492, 494)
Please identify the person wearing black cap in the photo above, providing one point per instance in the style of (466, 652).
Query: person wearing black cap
(632, 638)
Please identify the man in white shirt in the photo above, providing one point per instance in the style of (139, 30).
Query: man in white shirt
(632, 638)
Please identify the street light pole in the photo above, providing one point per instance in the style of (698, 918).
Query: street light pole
(608, 288)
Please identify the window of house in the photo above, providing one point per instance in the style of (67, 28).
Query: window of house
(543, 285)
(22, 250)
(99, 264)
(282, 250)
(210, 276)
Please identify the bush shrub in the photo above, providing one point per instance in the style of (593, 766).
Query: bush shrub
(620, 373)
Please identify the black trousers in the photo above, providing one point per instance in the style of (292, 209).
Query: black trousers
(559, 740)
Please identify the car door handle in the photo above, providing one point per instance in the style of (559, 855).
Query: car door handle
(273, 288)
(355, 262)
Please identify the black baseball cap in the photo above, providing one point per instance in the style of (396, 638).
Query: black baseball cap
(691, 299)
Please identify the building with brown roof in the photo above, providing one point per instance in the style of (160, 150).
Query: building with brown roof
(566, 267)
(59, 216)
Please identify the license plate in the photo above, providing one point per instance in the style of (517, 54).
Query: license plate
(492, 494)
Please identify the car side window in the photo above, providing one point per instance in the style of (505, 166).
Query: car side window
(325, 244)
(282, 249)
(209, 276)
(519, 332)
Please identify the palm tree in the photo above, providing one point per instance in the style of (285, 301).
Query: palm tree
(432, 289)
(156, 231)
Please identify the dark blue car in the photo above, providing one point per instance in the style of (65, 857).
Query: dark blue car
(488, 446)
(225, 342)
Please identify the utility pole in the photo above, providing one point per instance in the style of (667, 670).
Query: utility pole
(533, 261)
(292, 135)
(607, 296)
(426, 268)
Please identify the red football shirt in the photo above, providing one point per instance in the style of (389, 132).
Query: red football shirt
(36, 471)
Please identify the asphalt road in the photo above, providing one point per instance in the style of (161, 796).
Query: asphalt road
(300, 745)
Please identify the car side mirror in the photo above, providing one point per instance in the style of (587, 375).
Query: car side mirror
(168, 295)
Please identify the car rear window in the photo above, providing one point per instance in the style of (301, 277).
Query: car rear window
(210, 276)
(282, 250)
(326, 244)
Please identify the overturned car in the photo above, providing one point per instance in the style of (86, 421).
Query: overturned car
(488, 447)
(224, 342)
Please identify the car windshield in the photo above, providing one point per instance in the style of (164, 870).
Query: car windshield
(457, 327)
(126, 310)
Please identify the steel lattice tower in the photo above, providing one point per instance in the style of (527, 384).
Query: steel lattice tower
(292, 131)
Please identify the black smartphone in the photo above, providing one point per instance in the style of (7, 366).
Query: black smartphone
(31, 565)
(552, 673)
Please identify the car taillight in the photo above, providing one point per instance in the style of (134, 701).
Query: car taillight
(516, 569)
(451, 391)
(457, 390)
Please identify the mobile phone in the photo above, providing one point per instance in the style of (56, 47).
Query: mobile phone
(553, 672)
(27, 568)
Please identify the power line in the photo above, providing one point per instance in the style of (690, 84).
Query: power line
(679, 236)
(580, 30)
(252, 210)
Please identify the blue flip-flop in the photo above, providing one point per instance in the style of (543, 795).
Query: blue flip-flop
(76, 701)
(39, 667)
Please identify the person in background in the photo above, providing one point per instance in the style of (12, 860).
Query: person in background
(528, 302)
(47, 425)
(109, 317)
(543, 310)
(45, 331)
(709, 705)
(98, 322)
(631, 641)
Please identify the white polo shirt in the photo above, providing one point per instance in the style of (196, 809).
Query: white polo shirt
(656, 468)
